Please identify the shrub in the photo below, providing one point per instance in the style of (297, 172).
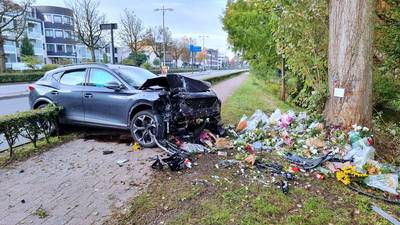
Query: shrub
(15, 77)
(29, 124)
(47, 67)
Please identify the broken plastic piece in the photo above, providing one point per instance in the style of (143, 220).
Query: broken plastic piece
(284, 187)
(121, 162)
(136, 147)
(157, 165)
(227, 163)
(385, 215)
(307, 163)
(107, 152)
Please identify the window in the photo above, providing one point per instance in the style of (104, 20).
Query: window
(57, 19)
(50, 48)
(49, 33)
(48, 18)
(67, 34)
(59, 33)
(60, 48)
(133, 76)
(76, 77)
(69, 48)
(99, 78)
(67, 20)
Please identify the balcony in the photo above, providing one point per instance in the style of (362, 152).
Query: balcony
(35, 35)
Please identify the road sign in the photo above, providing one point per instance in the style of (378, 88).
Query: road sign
(194, 48)
(108, 26)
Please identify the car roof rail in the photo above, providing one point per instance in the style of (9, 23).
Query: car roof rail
(88, 63)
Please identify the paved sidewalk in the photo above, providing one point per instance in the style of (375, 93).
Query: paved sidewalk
(75, 183)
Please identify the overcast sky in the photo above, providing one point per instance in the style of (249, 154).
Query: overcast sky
(189, 18)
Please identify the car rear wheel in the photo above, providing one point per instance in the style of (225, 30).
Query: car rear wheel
(144, 127)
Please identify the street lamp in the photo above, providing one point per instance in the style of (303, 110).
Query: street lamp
(110, 26)
(163, 10)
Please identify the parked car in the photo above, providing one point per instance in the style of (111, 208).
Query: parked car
(127, 97)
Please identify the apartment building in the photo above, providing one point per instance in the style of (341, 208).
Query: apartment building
(35, 33)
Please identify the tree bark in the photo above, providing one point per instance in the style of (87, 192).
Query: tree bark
(2, 57)
(93, 54)
(350, 62)
(283, 81)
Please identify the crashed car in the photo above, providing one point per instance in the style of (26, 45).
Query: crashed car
(126, 97)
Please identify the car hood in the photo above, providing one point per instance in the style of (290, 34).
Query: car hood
(177, 82)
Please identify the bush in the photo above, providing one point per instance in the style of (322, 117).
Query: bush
(47, 67)
(29, 124)
(15, 77)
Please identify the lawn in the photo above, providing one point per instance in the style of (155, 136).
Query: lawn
(207, 195)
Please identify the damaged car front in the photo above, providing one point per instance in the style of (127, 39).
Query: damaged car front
(184, 108)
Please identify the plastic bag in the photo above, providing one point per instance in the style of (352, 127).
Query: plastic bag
(360, 156)
(257, 118)
(385, 182)
(193, 148)
(275, 116)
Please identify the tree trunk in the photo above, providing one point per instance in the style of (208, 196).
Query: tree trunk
(283, 81)
(350, 62)
(2, 57)
(92, 53)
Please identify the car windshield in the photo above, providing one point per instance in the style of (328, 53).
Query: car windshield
(134, 76)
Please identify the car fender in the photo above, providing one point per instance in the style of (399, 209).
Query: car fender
(42, 99)
(141, 103)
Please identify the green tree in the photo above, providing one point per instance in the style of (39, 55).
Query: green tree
(105, 58)
(156, 62)
(26, 47)
(136, 59)
(31, 61)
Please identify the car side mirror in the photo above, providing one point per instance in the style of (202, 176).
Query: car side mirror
(113, 85)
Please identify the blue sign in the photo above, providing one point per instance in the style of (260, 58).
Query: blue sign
(194, 48)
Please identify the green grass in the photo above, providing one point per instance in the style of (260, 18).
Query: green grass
(253, 94)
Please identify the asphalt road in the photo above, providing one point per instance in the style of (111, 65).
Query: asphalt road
(12, 105)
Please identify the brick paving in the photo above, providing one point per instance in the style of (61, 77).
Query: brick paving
(74, 183)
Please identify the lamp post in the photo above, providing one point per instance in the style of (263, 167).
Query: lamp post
(111, 27)
(163, 10)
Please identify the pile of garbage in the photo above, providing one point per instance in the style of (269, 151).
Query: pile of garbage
(308, 145)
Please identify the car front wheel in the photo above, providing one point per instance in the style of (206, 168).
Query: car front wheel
(144, 127)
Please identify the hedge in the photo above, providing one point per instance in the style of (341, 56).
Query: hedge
(15, 77)
(29, 124)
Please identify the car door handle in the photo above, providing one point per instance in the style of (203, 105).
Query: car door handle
(88, 95)
(54, 92)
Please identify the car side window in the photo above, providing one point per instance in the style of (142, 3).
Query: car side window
(99, 78)
(75, 77)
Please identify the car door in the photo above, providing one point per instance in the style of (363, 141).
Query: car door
(69, 94)
(103, 105)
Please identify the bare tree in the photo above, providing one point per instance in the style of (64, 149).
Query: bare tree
(350, 62)
(154, 39)
(176, 50)
(87, 19)
(12, 24)
(132, 32)
(186, 41)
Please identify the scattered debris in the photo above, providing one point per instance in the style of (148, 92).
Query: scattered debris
(107, 152)
(23, 201)
(226, 163)
(121, 162)
(385, 215)
(21, 171)
(136, 146)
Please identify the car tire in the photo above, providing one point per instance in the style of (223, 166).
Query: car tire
(144, 126)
